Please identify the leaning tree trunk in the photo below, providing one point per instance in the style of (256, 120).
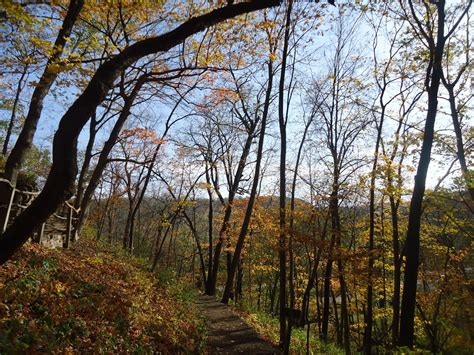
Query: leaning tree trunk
(60, 183)
(146, 182)
(306, 294)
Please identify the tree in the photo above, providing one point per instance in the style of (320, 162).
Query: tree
(234, 136)
(385, 78)
(285, 333)
(60, 184)
(433, 78)
(342, 121)
(256, 179)
(450, 82)
(25, 139)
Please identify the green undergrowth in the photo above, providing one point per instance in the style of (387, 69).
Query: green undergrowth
(93, 298)
(268, 327)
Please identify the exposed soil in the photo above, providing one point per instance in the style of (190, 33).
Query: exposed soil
(228, 334)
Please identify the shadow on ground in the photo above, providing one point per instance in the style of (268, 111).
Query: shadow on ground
(228, 334)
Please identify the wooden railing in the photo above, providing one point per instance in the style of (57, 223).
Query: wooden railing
(60, 222)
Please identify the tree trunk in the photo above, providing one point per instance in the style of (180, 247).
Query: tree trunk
(210, 223)
(50, 73)
(328, 271)
(336, 320)
(367, 342)
(311, 282)
(25, 138)
(84, 171)
(336, 226)
(412, 244)
(467, 174)
(285, 338)
(212, 278)
(126, 232)
(253, 193)
(396, 271)
(11, 124)
(304, 308)
(198, 245)
(344, 312)
(104, 154)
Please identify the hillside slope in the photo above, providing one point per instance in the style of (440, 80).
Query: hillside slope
(89, 299)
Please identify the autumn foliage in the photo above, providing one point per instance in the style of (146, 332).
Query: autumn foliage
(91, 300)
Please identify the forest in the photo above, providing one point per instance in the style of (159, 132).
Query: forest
(307, 163)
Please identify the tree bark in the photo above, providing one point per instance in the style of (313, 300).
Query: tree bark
(312, 281)
(11, 124)
(467, 174)
(396, 270)
(285, 334)
(367, 341)
(84, 170)
(210, 222)
(412, 244)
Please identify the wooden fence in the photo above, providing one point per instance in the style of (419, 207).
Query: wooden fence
(56, 231)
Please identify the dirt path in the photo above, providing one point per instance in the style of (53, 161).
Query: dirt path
(228, 334)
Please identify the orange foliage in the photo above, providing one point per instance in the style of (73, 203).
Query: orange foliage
(88, 300)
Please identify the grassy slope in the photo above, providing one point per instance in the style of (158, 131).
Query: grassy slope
(268, 327)
(90, 299)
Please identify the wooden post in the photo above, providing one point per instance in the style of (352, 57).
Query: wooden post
(41, 232)
(9, 208)
(68, 228)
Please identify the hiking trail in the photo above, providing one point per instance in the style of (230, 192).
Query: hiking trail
(228, 334)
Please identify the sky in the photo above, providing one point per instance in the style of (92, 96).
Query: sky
(57, 103)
